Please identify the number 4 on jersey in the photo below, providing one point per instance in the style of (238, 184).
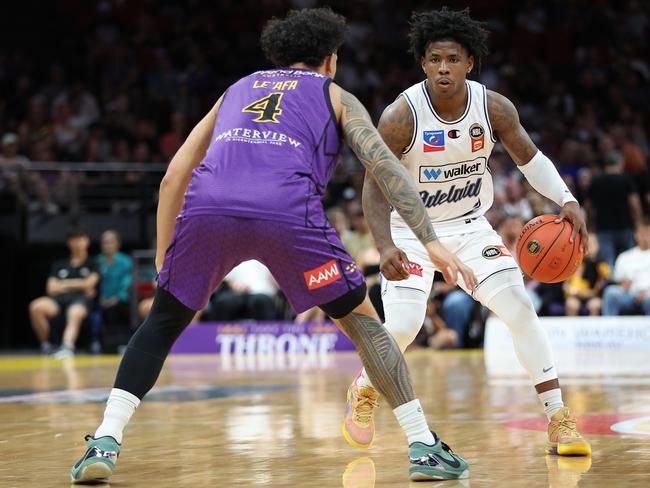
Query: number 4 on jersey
(268, 108)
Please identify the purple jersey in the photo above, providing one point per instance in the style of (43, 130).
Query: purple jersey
(274, 148)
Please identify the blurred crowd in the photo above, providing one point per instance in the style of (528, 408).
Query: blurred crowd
(126, 81)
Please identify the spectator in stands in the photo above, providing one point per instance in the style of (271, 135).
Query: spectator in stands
(359, 239)
(515, 200)
(631, 293)
(71, 289)
(248, 292)
(614, 207)
(585, 287)
(12, 165)
(457, 309)
(115, 269)
(435, 333)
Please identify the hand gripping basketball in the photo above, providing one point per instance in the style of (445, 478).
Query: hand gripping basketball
(450, 266)
(550, 249)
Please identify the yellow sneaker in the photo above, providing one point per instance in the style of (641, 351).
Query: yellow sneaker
(358, 426)
(563, 437)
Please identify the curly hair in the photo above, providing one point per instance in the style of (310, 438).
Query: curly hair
(306, 36)
(445, 24)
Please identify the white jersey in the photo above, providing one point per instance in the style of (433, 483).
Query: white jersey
(448, 161)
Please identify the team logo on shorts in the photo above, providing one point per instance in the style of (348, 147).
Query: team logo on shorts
(477, 134)
(493, 252)
(533, 247)
(323, 275)
(434, 140)
(415, 269)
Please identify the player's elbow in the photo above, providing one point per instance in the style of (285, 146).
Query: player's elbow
(170, 181)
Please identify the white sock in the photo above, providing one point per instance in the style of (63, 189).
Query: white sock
(362, 379)
(119, 408)
(413, 423)
(551, 401)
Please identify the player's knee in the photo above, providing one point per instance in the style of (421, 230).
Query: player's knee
(345, 304)
(77, 311)
(514, 307)
(35, 306)
(405, 316)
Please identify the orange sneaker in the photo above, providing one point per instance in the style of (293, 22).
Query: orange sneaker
(563, 437)
(358, 426)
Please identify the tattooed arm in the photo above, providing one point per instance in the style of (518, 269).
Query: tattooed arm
(396, 129)
(394, 181)
(391, 177)
(505, 122)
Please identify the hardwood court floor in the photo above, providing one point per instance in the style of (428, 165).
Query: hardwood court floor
(220, 421)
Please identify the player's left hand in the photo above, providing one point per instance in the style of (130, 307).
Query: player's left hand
(571, 212)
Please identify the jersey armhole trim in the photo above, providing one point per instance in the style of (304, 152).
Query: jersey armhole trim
(328, 102)
(415, 123)
(487, 115)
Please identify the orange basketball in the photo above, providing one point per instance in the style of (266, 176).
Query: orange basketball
(544, 251)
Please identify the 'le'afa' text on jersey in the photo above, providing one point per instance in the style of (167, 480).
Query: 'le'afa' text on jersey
(448, 160)
(274, 148)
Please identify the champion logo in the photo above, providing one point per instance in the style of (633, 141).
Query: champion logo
(323, 275)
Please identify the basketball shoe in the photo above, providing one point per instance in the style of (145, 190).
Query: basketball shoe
(99, 461)
(563, 437)
(358, 426)
(436, 462)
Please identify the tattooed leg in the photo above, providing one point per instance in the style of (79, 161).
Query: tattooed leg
(380, 355)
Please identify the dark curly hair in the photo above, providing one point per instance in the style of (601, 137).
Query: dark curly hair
(306, 36)
(445, 24)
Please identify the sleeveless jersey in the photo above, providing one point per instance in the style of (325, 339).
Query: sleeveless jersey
(274, 148)
(448, 161)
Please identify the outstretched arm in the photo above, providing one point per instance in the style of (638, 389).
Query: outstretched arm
(391, 177)
(394, 181)
(396, 129)
(174, 184)
(537, 168)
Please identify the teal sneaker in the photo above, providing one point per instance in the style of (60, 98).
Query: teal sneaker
(99, 461)
(436, 462)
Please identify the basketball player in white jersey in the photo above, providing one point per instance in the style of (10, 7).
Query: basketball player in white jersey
(443, 130)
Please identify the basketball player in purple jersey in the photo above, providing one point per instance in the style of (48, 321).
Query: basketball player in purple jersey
(247, 184)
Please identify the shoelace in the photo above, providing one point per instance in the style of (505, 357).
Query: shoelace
(363, 410)
(567, 427)
(446, 447)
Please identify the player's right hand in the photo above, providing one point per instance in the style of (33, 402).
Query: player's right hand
(450, 266)
(394, 264)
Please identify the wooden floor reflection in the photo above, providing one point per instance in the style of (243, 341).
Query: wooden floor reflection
(223, 421)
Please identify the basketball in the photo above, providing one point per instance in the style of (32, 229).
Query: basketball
(544, 251)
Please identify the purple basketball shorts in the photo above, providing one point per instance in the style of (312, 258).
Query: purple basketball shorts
(310, 265)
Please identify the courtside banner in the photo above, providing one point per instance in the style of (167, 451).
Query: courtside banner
(241, 338)
(581, 346)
